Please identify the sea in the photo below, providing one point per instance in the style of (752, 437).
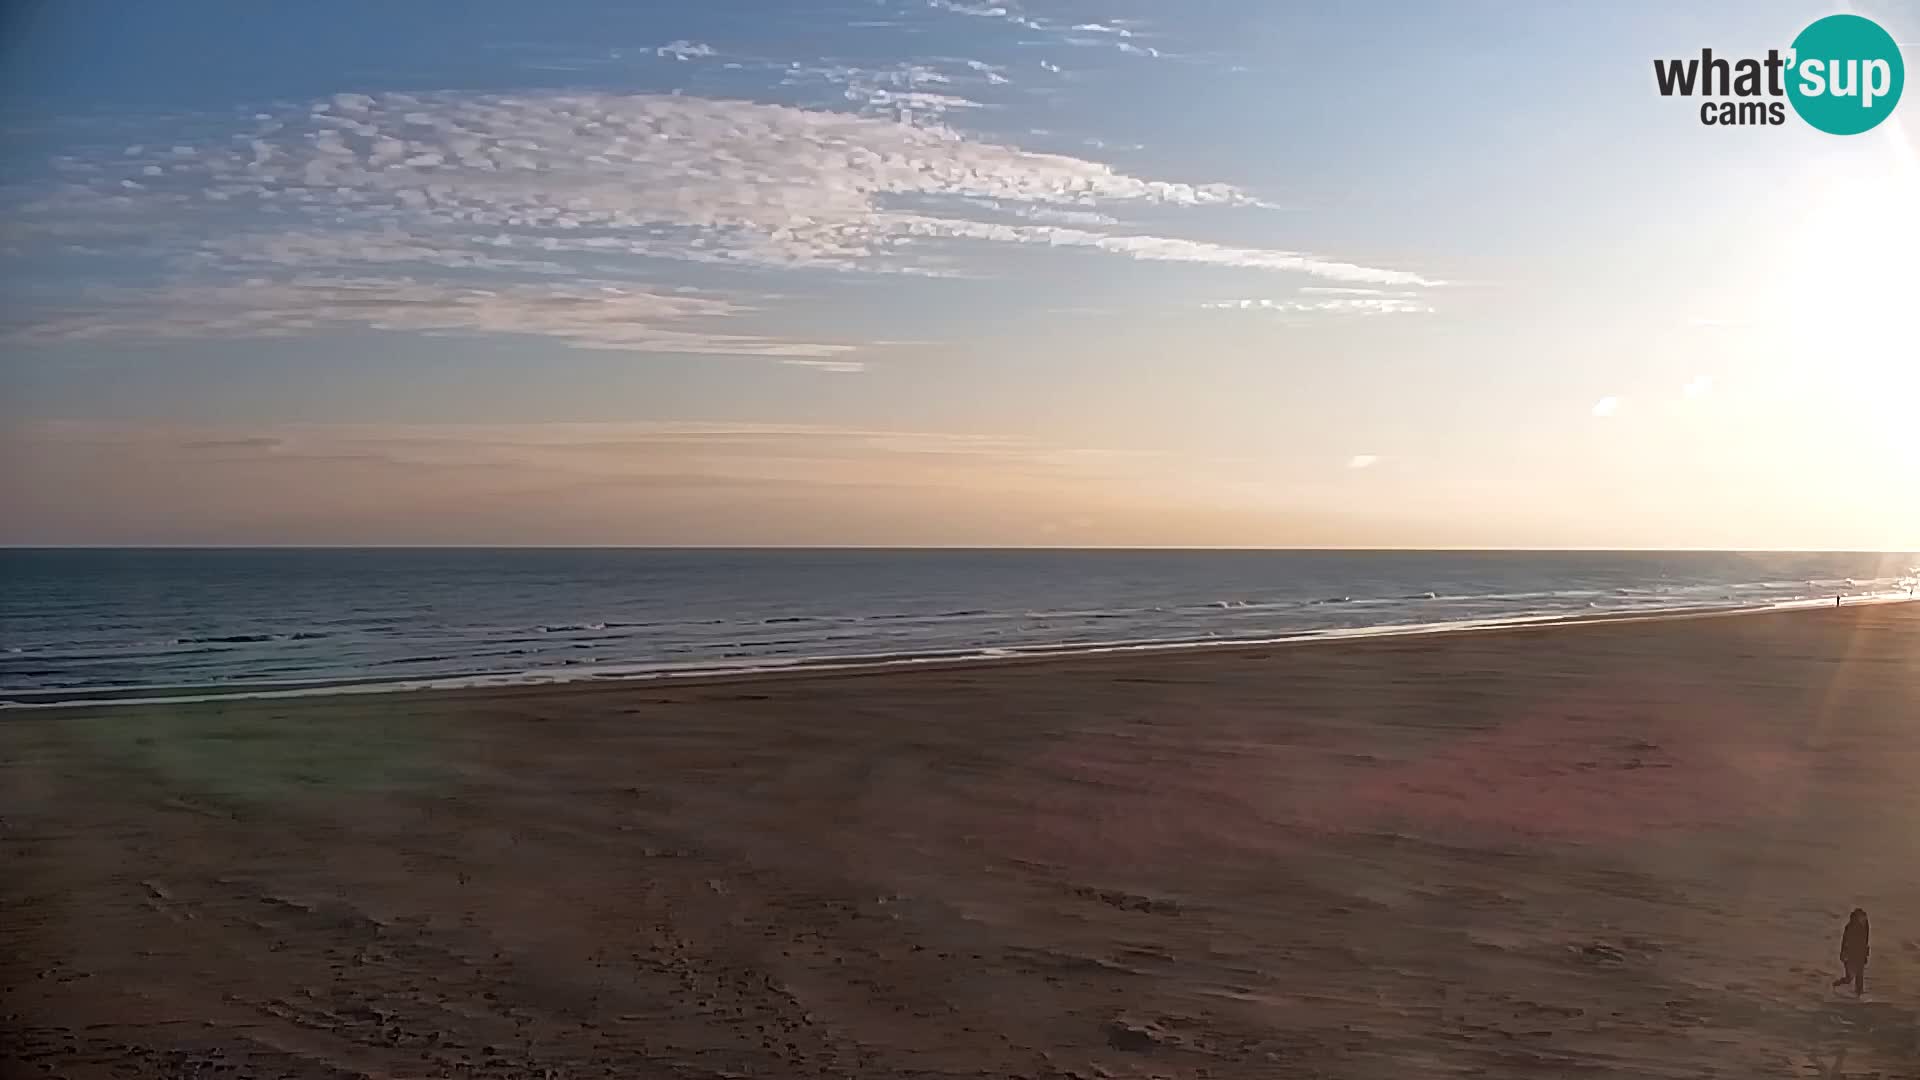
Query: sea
(88, 624)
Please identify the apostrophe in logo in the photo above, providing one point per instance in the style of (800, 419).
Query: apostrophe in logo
(1846, 74)
(1843, 75)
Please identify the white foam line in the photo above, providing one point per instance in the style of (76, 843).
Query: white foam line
(667, 673)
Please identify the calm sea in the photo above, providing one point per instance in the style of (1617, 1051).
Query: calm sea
(84, 621)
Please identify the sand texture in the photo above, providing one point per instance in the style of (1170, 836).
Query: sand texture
(1618, 850)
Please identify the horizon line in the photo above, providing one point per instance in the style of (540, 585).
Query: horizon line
(967, 548)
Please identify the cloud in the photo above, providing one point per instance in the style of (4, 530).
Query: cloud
(684, 50)
(1048, 214)
(985, 11)
(1363, 461)
(593, 316)
(898, 92)
(1110, 34)
(994, 75)
(721, 451)
(1334, 300)
(1606, 406)
(455, 188)
(316, 248)
(1178, 250)
(1699, 386)
(651, 175)
(749, 177)
(909, 102)
(1079, 218)
(665, 483)
(1153, 248)
(836, 367)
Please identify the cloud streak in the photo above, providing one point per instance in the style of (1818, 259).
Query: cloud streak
(443, 194)
(682, 482)
(1351, 301)
(661, 175)
(901, 92)
(603, 316)
(986, 11)
(684, 50)
(1109, 34)
(718, 451)
(1157, 249)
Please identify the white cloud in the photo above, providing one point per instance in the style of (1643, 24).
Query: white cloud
(995, 75)
(1335, 300)
(1109, 34)
(409, 186)
(1177, 250)
(985, 11)
(1153, 248)
(602, 316)
(1077, 218)
(1699, 386)
(1050, 215)
(1606, 406)
(654, 176)
(1363, 461)
(898, 92)
(664, 175)
(684, 50)
(909, 102)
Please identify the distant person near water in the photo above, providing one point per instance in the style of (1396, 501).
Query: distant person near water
(1853, 952)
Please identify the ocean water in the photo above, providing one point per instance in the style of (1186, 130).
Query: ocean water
(75, 623)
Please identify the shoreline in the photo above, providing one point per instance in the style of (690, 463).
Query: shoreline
(1625, 851)
(515, 683)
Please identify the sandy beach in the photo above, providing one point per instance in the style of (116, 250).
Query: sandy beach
(1613, 850)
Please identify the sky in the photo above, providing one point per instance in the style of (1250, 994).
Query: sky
(943, 272)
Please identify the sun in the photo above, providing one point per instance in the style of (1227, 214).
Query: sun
(1852, 267)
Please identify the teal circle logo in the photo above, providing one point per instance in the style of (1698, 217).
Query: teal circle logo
(1846, 74)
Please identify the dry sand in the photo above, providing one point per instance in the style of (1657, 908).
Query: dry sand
(1610, 850)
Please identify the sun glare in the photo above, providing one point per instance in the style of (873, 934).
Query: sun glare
(1852, 276)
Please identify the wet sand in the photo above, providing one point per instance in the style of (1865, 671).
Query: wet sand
(1621, 849)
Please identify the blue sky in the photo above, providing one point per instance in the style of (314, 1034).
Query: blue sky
(938, 271)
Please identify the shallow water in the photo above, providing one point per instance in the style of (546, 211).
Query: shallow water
(95, 620)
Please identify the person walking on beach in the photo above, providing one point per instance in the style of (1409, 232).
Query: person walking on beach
(1853, 952)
